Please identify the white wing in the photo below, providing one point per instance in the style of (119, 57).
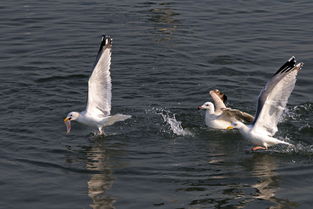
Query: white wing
(99, 84)
(274, 97)
(219, 98)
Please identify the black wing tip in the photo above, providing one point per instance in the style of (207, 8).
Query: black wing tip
(288, 66)
(106, 41)
(292, 59)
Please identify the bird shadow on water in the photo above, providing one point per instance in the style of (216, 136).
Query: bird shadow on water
(96, 160)
(100, 182)
(232, 180)
(96, 155)
(241, 180)
(263, 167)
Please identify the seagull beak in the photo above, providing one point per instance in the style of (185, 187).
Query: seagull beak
(67, 122)
(199, 107)
(229, 128)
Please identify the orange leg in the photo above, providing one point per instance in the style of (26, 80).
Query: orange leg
(257, 148)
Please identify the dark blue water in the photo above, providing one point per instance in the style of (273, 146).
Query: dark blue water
(166, 56)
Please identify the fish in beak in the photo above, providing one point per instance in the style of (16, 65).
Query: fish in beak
(67, 122)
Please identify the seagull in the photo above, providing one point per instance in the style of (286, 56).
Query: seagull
(272, 101)
(97, 113)
(219, 116)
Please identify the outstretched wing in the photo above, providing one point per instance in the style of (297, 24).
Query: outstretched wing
(218, 98)
(99, 84)
(274, 97)
(235, 114)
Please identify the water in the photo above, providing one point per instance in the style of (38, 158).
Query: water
(167, 55)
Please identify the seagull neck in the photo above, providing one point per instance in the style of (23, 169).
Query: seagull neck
(211, 110)
(79, 118)
(209, 113)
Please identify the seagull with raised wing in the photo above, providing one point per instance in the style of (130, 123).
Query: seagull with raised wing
(98, 110)
(271, 104)
(218, 116)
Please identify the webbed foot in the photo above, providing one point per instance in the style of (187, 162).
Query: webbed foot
(258, 148)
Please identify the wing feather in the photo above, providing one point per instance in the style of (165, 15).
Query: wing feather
(235, 114)
(99, 84)
(274, 97)
(218, 98)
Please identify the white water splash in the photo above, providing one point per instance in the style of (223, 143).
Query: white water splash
(297, 112)
(175, 125)
(300, 148)
(172, 123)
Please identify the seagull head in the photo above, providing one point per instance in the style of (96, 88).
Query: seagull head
(71, 116)
(206, 106)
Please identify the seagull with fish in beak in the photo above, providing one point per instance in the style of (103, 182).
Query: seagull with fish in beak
(98, 110)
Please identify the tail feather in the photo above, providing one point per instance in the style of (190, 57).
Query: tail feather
(283, 142)
(274, 141)
(116, 118)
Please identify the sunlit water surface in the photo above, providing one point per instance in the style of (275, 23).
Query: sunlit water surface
(167, 55)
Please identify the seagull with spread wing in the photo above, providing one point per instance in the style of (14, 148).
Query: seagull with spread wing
(97, 113)
(271, 104)
(218, 116)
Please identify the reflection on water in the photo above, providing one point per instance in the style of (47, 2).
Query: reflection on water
(164, 18)
(263, 167)
(101, 181)
(254, 183)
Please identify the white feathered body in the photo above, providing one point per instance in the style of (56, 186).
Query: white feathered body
(212, 121)
(100, 122)
(259, 137)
